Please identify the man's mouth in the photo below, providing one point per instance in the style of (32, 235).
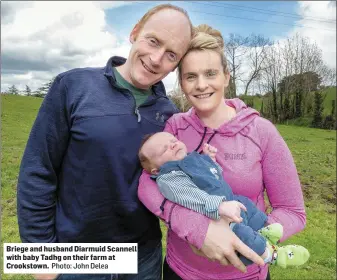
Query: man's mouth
(147, 68)
(202, 96)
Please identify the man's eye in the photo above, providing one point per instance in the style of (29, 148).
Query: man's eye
(172, 57)
(153, 42)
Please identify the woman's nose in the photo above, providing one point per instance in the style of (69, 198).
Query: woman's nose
(201, 84)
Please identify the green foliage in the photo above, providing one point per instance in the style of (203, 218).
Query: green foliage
(13, 90)
(318, 110)
(330, 120)
(28, 91)
(287, 108)
(311, 81)
(248, 99)
(308, 103)
(43, 90)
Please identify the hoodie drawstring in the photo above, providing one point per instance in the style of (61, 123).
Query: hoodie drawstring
(202, 139)
(209, 140)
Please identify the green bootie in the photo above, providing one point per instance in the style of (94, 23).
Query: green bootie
(290, 255)
(272, 232)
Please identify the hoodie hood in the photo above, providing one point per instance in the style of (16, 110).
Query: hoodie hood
(244, 116)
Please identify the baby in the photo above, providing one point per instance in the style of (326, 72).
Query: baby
(195, 181)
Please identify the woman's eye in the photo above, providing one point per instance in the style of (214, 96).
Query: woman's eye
(190, 78)
(211, 74)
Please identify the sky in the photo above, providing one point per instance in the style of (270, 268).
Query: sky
(40, 39)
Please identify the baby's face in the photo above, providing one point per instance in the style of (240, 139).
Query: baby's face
(163, 147)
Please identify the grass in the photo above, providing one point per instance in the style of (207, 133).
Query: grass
(314, 151)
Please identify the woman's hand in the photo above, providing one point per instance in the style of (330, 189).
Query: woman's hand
(221, 245)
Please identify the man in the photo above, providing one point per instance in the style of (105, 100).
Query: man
(79, 173)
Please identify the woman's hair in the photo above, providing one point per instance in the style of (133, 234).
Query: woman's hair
(206, 38)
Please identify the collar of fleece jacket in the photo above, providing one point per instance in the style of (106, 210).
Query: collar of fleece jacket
(244, 116)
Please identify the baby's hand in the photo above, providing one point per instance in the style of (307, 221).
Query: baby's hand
(232, 210)
(210, 151)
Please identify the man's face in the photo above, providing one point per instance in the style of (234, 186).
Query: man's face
(163, 147)
(157, 47)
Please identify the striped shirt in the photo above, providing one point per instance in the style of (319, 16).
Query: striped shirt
(178, 187)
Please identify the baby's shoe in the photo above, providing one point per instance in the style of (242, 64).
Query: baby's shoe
(290, 255)
(272, 232)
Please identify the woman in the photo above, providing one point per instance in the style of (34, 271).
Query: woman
(252, 154)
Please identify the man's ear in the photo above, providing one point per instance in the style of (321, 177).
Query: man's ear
(154, 171)
(134, 33)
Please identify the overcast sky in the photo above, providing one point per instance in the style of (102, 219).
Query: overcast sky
(41, 39)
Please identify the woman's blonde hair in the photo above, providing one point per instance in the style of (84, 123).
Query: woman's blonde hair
(206, 38)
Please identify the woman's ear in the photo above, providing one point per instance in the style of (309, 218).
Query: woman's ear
(227, 78)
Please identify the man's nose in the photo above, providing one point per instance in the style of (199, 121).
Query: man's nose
(157, 56)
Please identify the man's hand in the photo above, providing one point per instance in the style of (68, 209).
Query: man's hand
(231, 210)
(210, 151)
(221, 243)
(45, 276)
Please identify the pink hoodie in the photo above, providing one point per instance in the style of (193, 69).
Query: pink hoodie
(254, 158)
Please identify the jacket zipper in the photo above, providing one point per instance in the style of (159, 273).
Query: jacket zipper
(144, 105)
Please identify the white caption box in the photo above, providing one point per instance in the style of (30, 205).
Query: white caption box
(79, 258)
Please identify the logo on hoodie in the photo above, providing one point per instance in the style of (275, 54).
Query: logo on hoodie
(160, 117)
(230, 156)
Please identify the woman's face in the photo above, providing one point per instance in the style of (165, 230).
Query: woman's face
(203, 80)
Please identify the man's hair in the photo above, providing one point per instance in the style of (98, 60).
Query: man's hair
(145, 161)
(206, 38)
(160, 7)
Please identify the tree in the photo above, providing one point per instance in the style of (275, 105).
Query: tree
(287, 108)
(330, 120)
(318, 110)
(43, 90)
(256, 57)
(311, 82)
(261, 110)
(271, 72)
(28, 91)
(235, 49)
(13, 90)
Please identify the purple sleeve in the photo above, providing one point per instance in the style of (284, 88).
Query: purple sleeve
(182, 221)
(282, 183)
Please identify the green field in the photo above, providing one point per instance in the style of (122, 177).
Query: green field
(314, 151)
